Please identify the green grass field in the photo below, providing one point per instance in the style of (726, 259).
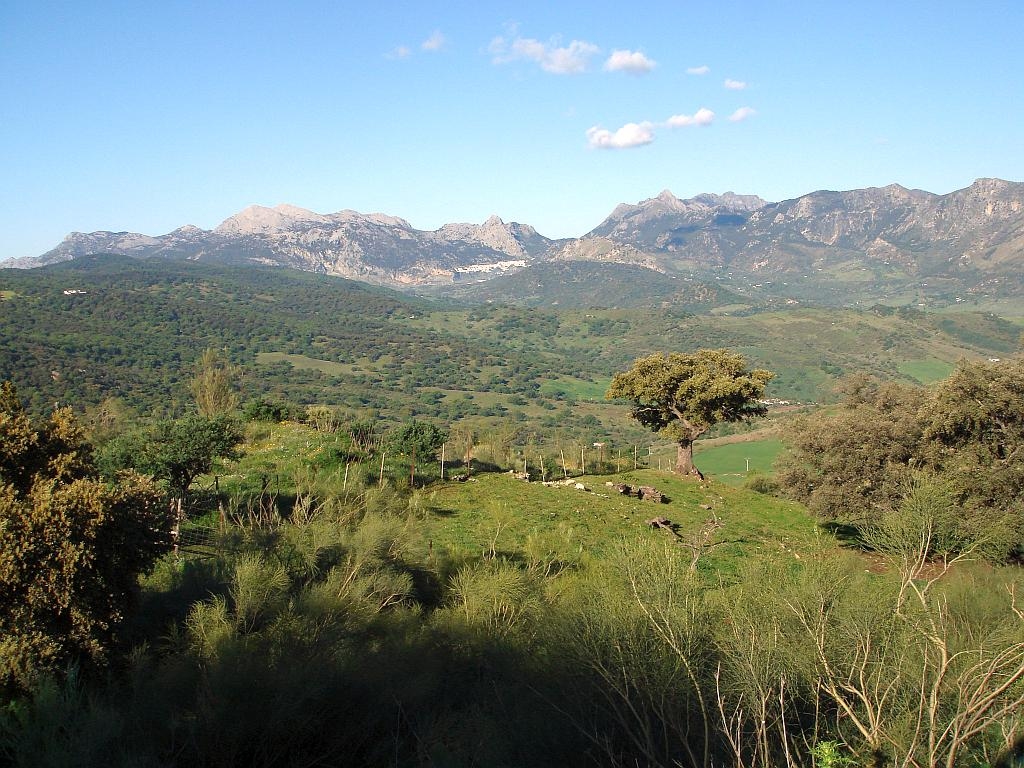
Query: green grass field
(926, 371)
(495, 511)
(730, 463)
(577, 388)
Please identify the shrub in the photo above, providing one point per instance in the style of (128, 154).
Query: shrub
(71, 545)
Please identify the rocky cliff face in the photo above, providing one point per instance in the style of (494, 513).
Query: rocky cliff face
(916, 232)
(890, 232)
(372, 247)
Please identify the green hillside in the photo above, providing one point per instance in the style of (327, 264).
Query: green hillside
(595, 284)
(329, 599)
(132, 329)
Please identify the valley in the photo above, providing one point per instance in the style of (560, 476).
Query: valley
(356, 499)
(136, 327)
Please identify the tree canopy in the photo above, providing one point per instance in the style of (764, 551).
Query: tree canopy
(683, 395)
(848, 464)
(420, 438)
(851, 465)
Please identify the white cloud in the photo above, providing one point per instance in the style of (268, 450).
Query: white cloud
(435, 42)
(399, 52)
(742, 114)
(629, 135)
(702, 116)
(703, 69)
(567, 60)
(633, 62)
(734, 85)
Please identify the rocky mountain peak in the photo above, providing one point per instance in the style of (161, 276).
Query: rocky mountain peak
(256, 219)
(734, 202)
(649, 218)
(995, 189)
(189, 230)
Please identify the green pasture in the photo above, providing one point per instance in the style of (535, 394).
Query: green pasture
(726, 309)
(731, 463)
(925, 371)
(578, 389)
(495, 512)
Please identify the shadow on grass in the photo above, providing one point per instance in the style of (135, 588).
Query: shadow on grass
(847, 535)
(441, 511)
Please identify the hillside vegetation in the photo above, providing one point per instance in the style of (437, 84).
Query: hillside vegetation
(384, 531)
(331, 618)
(134, 329)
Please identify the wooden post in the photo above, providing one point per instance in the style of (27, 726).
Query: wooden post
(176, 530)
(380, 482)
(412, 468)
(583, 460)
(344, 485)
(442, 460)
(634, 458)
(564, 470)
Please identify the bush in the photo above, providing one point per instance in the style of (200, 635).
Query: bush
(262, 409)
(759, 483)
(71, 546)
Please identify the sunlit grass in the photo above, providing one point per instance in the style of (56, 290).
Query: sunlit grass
(731, 463)
(926, 371)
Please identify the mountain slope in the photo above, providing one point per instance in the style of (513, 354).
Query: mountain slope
(909, 231)
(888, 244)
(593, 284)
(373, 247)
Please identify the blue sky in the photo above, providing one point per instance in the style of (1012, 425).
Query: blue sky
(145, 116)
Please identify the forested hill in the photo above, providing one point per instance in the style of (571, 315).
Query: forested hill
(109, 324)
(104, 326)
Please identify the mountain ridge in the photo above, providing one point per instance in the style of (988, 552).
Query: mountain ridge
(891, 232)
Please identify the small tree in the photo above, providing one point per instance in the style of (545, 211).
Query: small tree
(174, 451)
(683, 395)
(213, 385)
(975, 435)
(417, 438)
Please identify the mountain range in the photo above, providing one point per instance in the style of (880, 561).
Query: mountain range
(968, 240)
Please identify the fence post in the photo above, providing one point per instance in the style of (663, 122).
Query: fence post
(176, 529)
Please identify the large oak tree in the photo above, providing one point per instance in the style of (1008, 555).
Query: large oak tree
(683, 395)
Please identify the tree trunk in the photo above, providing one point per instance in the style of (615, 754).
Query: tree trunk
(684, 460)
